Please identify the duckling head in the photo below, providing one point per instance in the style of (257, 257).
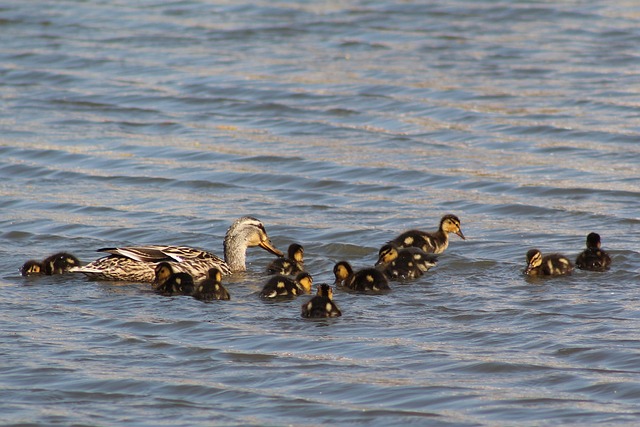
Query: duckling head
(342, 270)
(387, 254)
(325, 290)
(163, 272)
(451, 224)
(534, 260)
(31, 268)
(593, 241)
(296, 252)
(215, 274)
(305, 280)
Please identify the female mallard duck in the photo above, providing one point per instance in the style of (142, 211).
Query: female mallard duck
(57, 263)
(593, 258)
(365, 280)
(136, 263)
(292, 264)
(211, 288)
(168, 282)
(435, 242)
(549, 265)
(322, 304)
(285, 287)
(404, 263)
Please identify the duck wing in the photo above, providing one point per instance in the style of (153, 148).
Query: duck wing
(158, 253)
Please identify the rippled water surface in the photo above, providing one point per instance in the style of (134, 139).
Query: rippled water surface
(338, 124)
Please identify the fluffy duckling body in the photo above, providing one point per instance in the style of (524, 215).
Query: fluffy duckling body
(281, 286)
(290, 265)
(321, 305)
(404, 263)
(169, 283)
(548, 265)
(365, 280)
(137, 263)
(435, 242)
(593, 258)
(211, 288)
(57, 263)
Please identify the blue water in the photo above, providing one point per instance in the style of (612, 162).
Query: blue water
(339, 125)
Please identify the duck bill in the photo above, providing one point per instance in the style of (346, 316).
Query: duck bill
(459, 233)
(268, 246)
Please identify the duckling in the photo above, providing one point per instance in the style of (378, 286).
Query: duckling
(211, 288)
(435, 242)
(57, 263)
(292, 264)
(322, 304)
(404, 263)
(549, 265)
(170, 283)
(365, 280)
(281, 286)
(593, 258)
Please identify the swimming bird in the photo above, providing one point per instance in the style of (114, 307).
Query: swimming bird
(321, 305)
(211, 288)
(292, 264)
(549, 265)
(364, 280)
(168, 282)
(404, 263)
(57, 263)
(137, 263)
(593, 258)
(435, 242)
(281, 286)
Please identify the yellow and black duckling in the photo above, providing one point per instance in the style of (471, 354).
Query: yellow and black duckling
(404, 263)
(168, 282)
(435, 242)
(365, 280)
(211, 288)
(322, 304)
(57, 263)
(593, 258)
(137, 263)
(292, 264)
(285, 287)
(549, 265)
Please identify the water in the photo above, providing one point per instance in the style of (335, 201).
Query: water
(339, 126)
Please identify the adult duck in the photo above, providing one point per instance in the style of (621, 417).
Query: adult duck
(137, 263)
